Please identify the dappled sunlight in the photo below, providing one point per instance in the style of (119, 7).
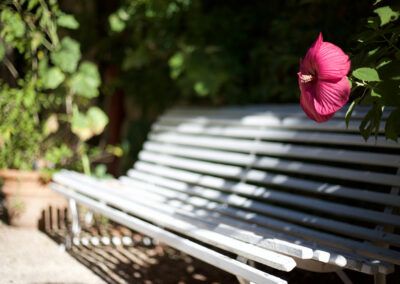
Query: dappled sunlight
(327, 188)
(142, 261)
(279, 179)
(237, 160)
(261, 121)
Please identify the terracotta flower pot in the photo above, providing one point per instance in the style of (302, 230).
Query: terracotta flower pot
(26, 196)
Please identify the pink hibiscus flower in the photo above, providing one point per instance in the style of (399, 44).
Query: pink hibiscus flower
(323, 80)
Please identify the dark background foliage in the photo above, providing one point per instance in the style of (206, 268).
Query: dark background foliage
(155, 53)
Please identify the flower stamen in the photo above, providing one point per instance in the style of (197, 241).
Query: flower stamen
(305, 78)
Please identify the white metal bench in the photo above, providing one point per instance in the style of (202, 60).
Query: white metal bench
(263, 183)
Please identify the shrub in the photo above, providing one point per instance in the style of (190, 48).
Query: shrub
(47, 90)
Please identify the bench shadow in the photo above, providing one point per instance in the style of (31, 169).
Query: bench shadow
(144, 261)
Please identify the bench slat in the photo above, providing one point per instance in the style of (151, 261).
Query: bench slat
(245, 232)
(350, 244)
(304, 202)
(275, 135)
(184, 205)
(320, 255)
(281, 110)
(263, 182)
(279, 149)
(131, 194)
(272, 122)
(191, 158)
(191, 248)
(308, 219)
(261, 255)
(266, 179)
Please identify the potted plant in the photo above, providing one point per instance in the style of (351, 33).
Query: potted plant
(47, 111)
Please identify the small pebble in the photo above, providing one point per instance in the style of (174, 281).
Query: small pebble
(146, 241)
(199, 277)
(116, 241)
(105, 240)
(127, 241)
(190, 268)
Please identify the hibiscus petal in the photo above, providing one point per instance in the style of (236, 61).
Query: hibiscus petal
(331, 62)
(308, 64)
(331, 96)
(308, 91)
(322, 79)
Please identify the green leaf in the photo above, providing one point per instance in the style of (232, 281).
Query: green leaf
(67, 21)
(390, 71)
(43, 66)
(373, 23)
(12, 25)
(386, 15)
(53, 78)
(97, 120)
(29, 97)
(58, 154)
(32, 4)
(389, 90)
(374, 93)
(383, 63)
(89, 125)
(176, 63)
(67, 55)
(100, 171)
(392, 127)
(86, 81)
(123, 15)
(51, 125)
(2, 51)
(136, 58)
(350, 82)
(350, 110)
(373, 51)
(115, 150)
(371, 122)
(80, 125)
(201, 89)
(366, 74)
(37, 39)
(116, 24)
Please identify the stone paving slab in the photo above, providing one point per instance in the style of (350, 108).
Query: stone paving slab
(28, 256)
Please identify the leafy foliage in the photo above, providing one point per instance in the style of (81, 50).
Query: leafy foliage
(219, 52)
(87, 125)
(366, 74)
(67, 55)
(376, 78)
(86, 81)
(67, 21)
(46, 112)
(230, 53)
(166, 52)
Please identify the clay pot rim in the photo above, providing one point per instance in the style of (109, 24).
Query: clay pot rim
(13, 174)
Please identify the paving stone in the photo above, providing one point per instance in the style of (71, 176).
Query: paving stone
(29, 256)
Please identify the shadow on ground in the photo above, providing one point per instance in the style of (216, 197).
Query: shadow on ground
(156, 264)
(146, 261)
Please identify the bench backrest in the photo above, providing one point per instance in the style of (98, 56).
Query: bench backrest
(272, 166)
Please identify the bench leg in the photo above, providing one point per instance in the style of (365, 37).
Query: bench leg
(343, 276)
(75, 227)
(251, 263)
(379, 278)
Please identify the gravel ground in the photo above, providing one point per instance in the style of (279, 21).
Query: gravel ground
(29, 256)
